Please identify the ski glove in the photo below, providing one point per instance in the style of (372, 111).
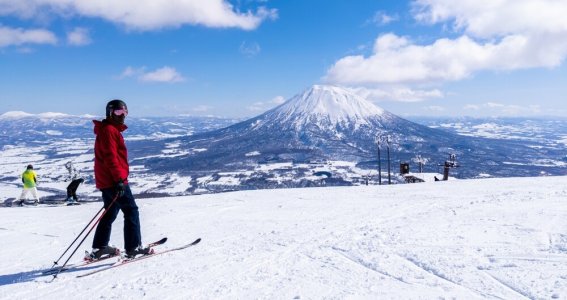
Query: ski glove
(119, 188)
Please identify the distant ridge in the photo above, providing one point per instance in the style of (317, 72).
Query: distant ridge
(45, 115)
(15, 115)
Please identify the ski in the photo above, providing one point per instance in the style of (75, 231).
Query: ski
(58, 270)
(76, 265)
(127, 261)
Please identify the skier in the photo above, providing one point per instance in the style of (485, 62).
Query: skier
(76, 180)
(111, 177)
(29, 179)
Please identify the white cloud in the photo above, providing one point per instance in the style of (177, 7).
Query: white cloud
(18, 36)
(496, 35)
(131, 72)
(163, 74)
(79, 37)
(389, 42)
(278, 100)
(382, 18)
(488, 18)
(397, 93)
(145, 14)
(250, 49)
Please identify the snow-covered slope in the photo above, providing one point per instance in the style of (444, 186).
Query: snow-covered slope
(466, 239)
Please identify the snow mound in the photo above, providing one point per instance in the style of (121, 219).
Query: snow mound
(15, 115)
(52, 115)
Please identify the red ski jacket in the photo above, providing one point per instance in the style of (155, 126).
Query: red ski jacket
(111, 155)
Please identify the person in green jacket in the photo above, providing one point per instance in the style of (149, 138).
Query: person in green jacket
(29, 179)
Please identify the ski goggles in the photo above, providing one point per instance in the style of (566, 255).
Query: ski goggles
(119, 112)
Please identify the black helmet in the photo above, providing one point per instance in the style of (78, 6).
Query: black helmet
(114, 104)
(30, 167)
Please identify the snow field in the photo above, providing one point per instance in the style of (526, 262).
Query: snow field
(465, 239)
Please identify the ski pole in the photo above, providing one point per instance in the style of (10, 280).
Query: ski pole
(79, 235)
(85, 237)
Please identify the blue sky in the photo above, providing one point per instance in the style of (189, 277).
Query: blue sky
(240, 58)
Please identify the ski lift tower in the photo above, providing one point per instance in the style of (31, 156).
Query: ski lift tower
(451, 163)
(388, 141)
(379, 160)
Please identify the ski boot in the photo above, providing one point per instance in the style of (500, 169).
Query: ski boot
(139, 251)
(71, 201)
(104, 252)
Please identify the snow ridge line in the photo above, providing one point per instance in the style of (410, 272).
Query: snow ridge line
(510, 287)
(439, 275)
(365, 265)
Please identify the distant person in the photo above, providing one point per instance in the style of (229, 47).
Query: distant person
(76, 180)
(29, 179)
(111, 177)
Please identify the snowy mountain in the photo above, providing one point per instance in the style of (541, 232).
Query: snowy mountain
(326, 123)
(324, 107)
(461, 239)
(321, 137)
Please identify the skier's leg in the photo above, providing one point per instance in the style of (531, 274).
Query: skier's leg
(74, 190)
(132, 232)
(34, 194)
(104, 227)
(23, 196)
(69, 190)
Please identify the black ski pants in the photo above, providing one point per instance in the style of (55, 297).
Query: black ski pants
(126, 203)
(72, 188)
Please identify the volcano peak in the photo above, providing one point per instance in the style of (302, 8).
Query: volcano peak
(326, 104)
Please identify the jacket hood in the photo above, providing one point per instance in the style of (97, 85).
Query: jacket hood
(99, 124)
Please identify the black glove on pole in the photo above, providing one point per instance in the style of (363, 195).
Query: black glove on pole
(119, 188)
